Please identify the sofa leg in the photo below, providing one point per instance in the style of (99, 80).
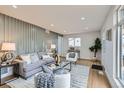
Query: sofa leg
(24, 77)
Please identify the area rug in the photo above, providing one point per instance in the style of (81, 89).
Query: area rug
(79, 79)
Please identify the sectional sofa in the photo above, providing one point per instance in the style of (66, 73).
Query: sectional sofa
(31, 64)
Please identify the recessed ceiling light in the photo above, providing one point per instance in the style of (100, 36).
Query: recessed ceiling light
(83, 18)
(14, 6)
(64, 30)
(51, 24)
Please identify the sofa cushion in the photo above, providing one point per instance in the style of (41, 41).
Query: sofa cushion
(32, 66)
(34, 57)
(42, 62)
(26, 58)
(49, 60)
(32, 72)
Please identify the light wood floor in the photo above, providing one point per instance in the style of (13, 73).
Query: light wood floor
(95, 79)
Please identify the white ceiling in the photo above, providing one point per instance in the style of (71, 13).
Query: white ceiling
(63, 17)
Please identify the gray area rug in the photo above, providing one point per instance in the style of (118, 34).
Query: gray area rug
(79, 79)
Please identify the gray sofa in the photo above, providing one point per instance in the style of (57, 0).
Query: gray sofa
(31, 64)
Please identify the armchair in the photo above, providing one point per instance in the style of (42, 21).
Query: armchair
(72, 57)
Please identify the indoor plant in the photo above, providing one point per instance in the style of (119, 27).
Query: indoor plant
(96, 47)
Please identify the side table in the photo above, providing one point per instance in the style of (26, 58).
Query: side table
(8, 78)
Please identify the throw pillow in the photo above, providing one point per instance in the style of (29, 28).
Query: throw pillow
(26, 58)
(45, 56)
(34, 58)
(72, 55)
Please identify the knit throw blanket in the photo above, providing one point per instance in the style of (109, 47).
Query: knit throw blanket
(45, 80)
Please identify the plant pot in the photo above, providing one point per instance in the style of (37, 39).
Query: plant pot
(101, 72)
(94, 59)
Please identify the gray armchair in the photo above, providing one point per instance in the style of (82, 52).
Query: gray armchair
(72, 57)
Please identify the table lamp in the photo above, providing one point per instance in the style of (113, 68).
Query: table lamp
(8, 49)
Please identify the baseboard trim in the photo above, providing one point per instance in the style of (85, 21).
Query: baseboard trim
(85, 59)
(91, 60)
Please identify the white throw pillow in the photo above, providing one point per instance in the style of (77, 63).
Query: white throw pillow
(26, 58)
(34, 58)
(46, 56)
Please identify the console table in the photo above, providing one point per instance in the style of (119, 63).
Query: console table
(15, 68)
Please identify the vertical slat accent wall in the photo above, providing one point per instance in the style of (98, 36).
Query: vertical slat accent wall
(2, 31)
(28, 38)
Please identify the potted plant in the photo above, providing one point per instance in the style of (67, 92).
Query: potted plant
(96, 47)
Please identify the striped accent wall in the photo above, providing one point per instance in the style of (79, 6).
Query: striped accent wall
(28, 37)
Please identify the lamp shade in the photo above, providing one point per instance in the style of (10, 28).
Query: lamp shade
(8, 47)
(53, 46)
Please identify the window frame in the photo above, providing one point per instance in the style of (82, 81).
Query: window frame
(69, 40)
(118, 67)
(74, 41)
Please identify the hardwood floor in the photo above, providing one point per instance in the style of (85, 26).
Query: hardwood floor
(95, 80)
(5, 86)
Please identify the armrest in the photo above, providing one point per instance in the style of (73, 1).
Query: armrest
(17, 60)
(21, 61)
(22, 65)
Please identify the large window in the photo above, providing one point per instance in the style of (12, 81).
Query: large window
(120, 45)
(120, 61)
(71, 42)
(74, 42)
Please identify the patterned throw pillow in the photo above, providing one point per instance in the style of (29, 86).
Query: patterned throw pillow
(72, 55)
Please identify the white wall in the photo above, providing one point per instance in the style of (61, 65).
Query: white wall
(87, 40)
(108, 47)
